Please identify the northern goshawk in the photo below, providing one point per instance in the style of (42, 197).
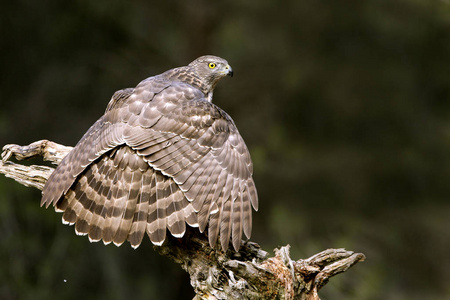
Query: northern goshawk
(161, 156)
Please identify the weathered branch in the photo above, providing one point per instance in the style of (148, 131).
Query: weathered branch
(248, 274)
(33, 176)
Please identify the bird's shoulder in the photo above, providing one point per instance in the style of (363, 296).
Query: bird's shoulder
(165, 97)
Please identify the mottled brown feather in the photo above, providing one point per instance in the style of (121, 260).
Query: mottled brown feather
(161, 156)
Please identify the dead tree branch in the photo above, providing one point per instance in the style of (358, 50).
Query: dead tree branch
(248, 274)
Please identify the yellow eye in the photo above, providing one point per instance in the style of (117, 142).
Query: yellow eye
(212, 65)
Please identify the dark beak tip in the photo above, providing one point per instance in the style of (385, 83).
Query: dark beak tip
(230, 73)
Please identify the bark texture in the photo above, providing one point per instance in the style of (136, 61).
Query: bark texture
(247, 274)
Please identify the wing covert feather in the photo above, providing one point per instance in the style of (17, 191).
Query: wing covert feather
(161, 156)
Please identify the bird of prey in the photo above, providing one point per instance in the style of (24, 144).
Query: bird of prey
(161, 156)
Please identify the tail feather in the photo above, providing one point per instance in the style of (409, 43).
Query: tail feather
(157, 222)
(175, 211)
(139, 225)
(126, 219)
(120, 197)
(237, 222)
(115, 209)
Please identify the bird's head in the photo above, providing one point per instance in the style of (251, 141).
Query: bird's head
(211, 69)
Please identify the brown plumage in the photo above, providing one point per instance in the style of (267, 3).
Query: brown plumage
(161, 156)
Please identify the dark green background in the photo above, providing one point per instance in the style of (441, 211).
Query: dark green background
(344, 106)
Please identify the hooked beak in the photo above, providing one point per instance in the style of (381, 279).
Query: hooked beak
(229, 70)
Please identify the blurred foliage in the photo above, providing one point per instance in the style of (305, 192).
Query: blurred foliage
(343, 105)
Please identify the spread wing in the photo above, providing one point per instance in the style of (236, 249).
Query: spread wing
(159, 157)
